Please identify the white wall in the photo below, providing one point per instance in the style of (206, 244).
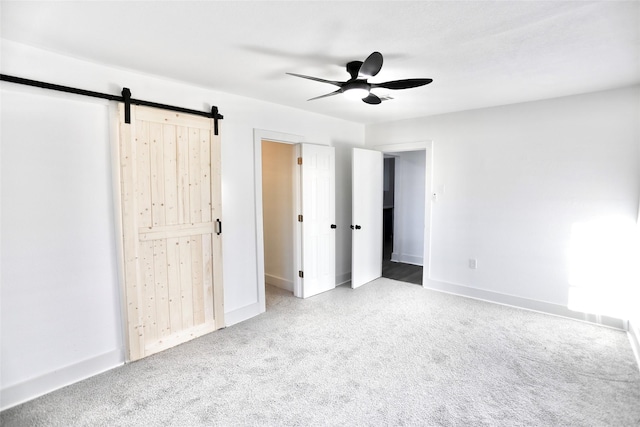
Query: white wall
(408, 236)
(513, 182)
(60, 295)
(278, 213)
(44, 361)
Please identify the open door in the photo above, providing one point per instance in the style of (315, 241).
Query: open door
(317, 221)
(367, 196)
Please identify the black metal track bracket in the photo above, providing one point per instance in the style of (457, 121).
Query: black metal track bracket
(126, 98)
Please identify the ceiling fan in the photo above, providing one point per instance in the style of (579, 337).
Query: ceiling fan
(358, 85)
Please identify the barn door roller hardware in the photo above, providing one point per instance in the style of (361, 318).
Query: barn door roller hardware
(125, 99)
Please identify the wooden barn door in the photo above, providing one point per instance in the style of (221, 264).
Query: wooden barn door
(171, 222)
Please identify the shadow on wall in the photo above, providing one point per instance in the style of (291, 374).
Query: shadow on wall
(604, 268)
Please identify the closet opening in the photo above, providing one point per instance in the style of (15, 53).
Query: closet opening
(278, 208)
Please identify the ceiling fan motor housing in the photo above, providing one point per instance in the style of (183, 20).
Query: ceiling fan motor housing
(353, 68)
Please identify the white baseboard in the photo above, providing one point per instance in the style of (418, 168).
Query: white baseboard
(242, 314)
(343, 278)
(407, 259)
(527, 304)
(285, 284)
(278, 282)
(634, 338)
(35, 387)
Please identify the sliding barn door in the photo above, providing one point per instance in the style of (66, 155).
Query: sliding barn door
(170, 196)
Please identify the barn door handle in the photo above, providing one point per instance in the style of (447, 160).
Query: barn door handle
(219, 227)
(334, 226)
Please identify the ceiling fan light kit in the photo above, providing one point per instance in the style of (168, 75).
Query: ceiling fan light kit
(356, 90)
(358, 86)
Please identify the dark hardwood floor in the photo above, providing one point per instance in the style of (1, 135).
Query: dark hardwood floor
(399, 271)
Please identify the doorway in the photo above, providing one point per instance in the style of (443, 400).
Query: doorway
(278, 209)
(367, 216)
(310, 268)
(403, 216)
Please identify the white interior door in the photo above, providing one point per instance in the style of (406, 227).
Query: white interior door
(317, 176)
(367, 186)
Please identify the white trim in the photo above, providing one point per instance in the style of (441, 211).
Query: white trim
(405, 146)
(297, 228)
(342, 279)
(38, 386)
(523, 303)
(278, 282)
(428, 210)
(634, 338)
(407, 259)
(258, 136)
(244, 313)
(427, 146)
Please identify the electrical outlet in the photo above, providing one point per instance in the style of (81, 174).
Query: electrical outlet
(473, 263)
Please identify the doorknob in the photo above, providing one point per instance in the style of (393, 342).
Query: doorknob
(358, 227)
(334, 226)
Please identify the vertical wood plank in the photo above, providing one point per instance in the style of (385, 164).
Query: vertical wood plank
(173, 284)
(205, 172)
(197, 279)
(170, 175)
(216, 240)
(143, 168)
(160, 264)
(186, 287)
(207, 277)
(156, 144)
(182, 158)
(132, 292)
(195, 176)
(148, 283)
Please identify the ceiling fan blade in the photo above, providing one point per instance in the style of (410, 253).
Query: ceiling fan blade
(339, 91)
(317, 79)
(372, 65)
(403, 84)
(372, 99)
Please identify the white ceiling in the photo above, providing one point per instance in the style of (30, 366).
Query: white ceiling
(478, 53)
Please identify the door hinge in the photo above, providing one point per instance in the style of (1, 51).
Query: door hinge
(301, 274)
(299, 218)
(299, 160)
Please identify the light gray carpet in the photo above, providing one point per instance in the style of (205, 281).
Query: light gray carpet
(388, 353)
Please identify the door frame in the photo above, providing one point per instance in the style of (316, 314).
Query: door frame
(430, 194)
(284, 138)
